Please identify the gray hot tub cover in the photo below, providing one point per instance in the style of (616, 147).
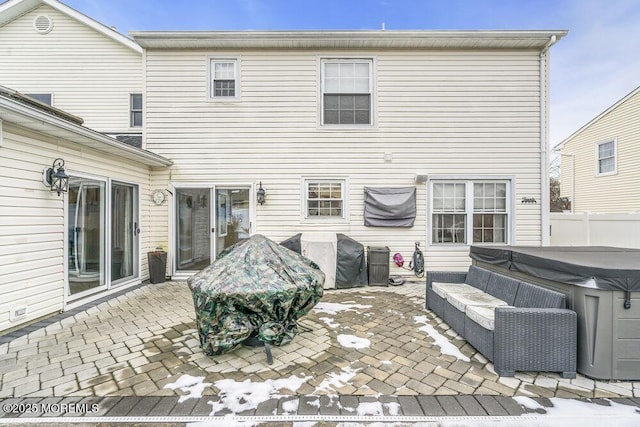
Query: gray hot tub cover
(257, 288)
(606, 268)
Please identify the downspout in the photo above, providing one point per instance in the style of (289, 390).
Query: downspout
(544, 154)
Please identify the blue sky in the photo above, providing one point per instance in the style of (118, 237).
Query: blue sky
(594, 66)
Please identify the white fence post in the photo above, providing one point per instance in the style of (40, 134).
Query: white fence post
(587, 227)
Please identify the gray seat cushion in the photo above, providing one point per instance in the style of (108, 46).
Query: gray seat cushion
(462, 300)
(442, 289)
(484, 316)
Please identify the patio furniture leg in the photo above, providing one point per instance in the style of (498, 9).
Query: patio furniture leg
(504, 373)
(267, 349)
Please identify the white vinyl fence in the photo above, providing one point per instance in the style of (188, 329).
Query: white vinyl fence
(593, 229)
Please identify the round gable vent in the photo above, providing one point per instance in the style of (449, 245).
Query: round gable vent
(43, 24)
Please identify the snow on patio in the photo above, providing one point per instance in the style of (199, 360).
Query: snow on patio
(335, 308)
(352, 341)
(446, 347)
(335, 381)
(112, 350)
(238, 396)
(192, 386)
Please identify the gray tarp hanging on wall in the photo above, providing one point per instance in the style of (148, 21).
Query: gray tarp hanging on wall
(389, 207)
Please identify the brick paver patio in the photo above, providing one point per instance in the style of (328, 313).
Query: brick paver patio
(375, 345)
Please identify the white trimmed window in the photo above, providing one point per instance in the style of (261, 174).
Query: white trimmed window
(469, 212)
(449, 212)
(347, 92)
(606, 155)
(224, 78)
(324, 198)
(135, 110)
(489, 212)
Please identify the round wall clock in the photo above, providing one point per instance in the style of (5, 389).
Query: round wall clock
(159, 197)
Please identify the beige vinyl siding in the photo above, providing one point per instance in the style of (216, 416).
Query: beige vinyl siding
(89, 74)
(32, 223)
(567, 176)
(466, 113)
(607, 193)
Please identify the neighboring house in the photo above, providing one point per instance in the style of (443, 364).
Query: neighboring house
(57, 251)
(66, 59)
(316, 117)
(600, 162)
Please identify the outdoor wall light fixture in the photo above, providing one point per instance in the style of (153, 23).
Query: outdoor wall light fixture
(56, 178)
(261, 195)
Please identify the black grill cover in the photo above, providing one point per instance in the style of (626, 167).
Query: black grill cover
(351, 268)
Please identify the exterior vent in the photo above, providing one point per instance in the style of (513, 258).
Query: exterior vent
(17, 313)
(43, 24)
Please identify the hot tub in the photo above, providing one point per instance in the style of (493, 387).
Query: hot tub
(602, 285)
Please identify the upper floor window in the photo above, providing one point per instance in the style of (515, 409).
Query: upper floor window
(224, 78)
(45, 98)
(347, 89)
(606, 158)
(136, 110)
(469, 211)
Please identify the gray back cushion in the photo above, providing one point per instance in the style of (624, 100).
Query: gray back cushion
(503, 287)
(478, 278)
(532, 296)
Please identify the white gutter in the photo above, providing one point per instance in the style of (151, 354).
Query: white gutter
(347, 39)
(109, 145)
(545, 223)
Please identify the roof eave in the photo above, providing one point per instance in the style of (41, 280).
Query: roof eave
(561, 144)
(85, 136)
(533, 39)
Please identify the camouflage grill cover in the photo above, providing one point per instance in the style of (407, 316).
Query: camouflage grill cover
(257, 287)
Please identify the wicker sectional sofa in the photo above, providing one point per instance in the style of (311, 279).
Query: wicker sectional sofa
(515, 324)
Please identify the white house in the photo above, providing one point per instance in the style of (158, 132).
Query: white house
(322, 122)
(66, 59)
(316, 118)
(600, 162)
(60, 250)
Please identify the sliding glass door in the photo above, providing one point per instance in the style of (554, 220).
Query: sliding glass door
(124, 232)
(87, 227)
(193, 251)
(103, 231)
(204, 229)
(232, 217)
